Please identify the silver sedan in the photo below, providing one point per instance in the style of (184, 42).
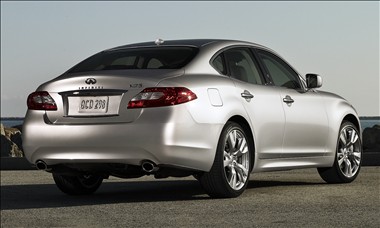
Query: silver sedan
(215, 109)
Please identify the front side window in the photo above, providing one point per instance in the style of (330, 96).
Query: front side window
(242, 66)
(281, 73)
(138, 58)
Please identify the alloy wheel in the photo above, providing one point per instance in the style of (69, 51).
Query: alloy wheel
(349, 151)
(236, 159)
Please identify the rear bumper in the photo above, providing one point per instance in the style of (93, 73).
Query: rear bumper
(176, 140)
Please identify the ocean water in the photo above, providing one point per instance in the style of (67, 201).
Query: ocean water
(364, 123)
(369, 123)
(11, 123)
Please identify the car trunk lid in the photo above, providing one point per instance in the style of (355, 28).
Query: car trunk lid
(100, 97)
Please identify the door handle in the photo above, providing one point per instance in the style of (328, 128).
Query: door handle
(287, 99)
(246, 95)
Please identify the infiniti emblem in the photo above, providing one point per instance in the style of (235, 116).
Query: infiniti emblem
(90, 81)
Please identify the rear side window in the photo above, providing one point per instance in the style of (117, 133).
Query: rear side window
(138, 58)
(219, 65)
(242, 66)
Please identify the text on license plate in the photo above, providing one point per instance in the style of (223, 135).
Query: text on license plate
(93, 104)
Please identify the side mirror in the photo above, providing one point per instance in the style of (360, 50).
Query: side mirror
(313, 81)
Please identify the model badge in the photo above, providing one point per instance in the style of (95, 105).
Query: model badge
(138, 85)
(90, 81)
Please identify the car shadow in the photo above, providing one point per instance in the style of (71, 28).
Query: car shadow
(48, 195)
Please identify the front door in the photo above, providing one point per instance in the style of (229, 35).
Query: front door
(306, 128)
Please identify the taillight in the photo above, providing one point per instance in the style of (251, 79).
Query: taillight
(41, 101)
(161, 96)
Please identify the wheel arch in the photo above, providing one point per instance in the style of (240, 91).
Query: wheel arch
(351, 118)
(338, 111)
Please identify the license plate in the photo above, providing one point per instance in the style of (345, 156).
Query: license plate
(93, 104)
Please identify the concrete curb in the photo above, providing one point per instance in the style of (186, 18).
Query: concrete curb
(8, 163)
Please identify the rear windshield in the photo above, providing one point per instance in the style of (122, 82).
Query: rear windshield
(138, 58)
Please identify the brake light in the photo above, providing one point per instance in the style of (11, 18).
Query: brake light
(41, 101)
(161, 96)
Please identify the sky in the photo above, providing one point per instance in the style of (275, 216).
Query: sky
(338, 40)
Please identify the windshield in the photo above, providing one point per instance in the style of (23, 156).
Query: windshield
(138, 58)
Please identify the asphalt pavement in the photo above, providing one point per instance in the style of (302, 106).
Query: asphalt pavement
(278, 199)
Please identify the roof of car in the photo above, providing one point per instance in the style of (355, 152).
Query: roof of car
(188, 42)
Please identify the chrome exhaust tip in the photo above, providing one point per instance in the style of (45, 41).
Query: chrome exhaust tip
(149, 167)
(41, 165)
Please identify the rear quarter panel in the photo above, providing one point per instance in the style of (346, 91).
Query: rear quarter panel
(202, 109)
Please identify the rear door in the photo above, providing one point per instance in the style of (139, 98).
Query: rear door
(262, 103)
(306, 127)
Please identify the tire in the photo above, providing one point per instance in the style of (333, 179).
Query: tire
(348, 156)
(229, 174)
(77, 185)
